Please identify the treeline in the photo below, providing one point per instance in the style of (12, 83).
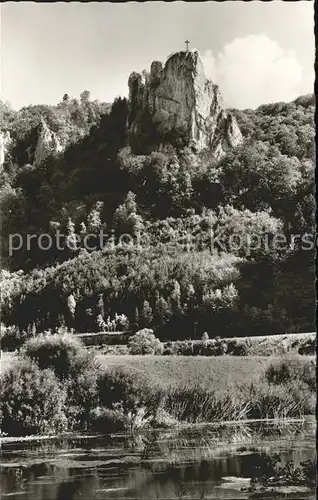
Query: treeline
(179, 295)
(180, 283)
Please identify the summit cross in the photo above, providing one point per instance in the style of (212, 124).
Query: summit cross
(187, 45)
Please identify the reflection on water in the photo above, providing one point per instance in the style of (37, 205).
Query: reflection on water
(201, 463)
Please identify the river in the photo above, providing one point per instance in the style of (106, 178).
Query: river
(208, 462)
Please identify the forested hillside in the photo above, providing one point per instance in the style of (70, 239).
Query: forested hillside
(171, 276)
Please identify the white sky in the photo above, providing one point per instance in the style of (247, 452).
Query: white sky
(257, 52)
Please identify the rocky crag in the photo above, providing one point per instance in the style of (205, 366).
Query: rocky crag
(47, 143)
(173, 103)
(176, 103)
(39, 143)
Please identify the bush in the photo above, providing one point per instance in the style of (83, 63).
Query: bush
(63, 353)
(129, 397)
(308, 347)
(12, 337)
(145, 342)
(236, 348)
(107, 420)
(292, 369)
(114, 350)
(73, 365)
(124, 387)
(82, 396)
(209, 347)
(31, 400)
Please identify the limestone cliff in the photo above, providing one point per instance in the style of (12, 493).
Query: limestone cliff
(176, 103)
(47, 143)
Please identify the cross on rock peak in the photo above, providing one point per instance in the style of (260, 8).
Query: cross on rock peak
(187, 45)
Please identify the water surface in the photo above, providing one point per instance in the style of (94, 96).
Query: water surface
(210, 462)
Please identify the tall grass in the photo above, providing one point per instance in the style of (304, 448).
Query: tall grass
(267, 397)
(59, 378)
(196, 404)
(266, 401)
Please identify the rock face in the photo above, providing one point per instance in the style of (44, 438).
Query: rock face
(177, 104)
(47, 143)
(5, 142)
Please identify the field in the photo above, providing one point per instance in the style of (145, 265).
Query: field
(107, 392)
(209, 372)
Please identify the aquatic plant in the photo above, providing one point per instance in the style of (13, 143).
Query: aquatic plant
(275, 476)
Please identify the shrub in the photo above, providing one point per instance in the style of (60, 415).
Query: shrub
(220, 346)
(107, 420)
(31, 400)
(236, 348)
(292, 369)
(73, 365)
(145, 342)
(169, 348)
(209, 347)
(128, 396)
(112, 349)
(63, 353)
(12, 337)
(308, 347)
(125, 387)
(82, 396)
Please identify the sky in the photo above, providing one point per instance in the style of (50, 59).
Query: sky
(258, 52)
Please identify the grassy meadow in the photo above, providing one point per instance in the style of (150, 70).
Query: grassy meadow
(75, 388)
(205, 389)
(212, 372)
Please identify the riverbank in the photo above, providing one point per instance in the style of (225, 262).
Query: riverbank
(283, 422)
(72, 390)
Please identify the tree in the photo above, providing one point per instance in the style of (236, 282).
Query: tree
(126, 219)
(176, 296)
(94, 221)
(137, 318)
(72, 242)
(85, 97)
(162, 311)
(146, 316)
